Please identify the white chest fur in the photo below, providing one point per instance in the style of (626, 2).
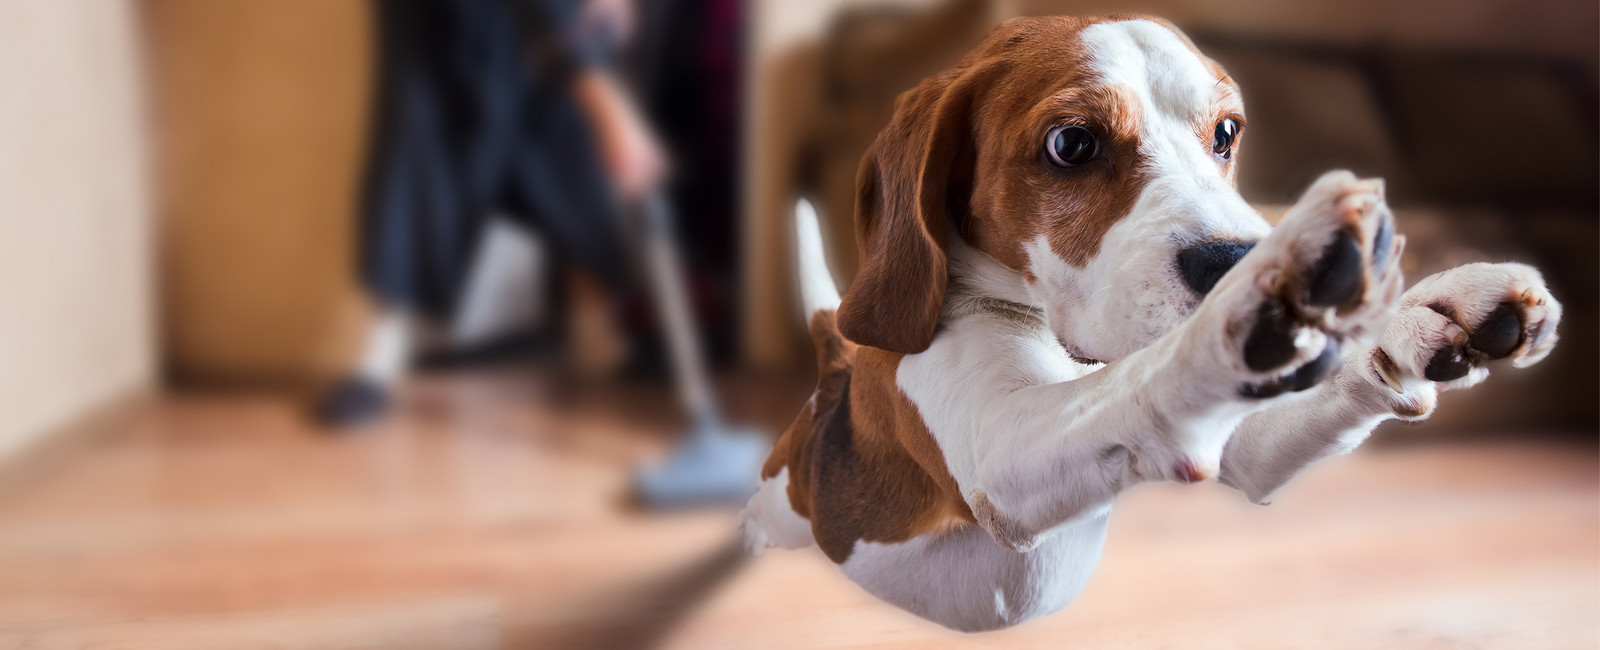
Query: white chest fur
(989, 345)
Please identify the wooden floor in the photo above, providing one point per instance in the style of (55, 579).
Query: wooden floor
(488, 514)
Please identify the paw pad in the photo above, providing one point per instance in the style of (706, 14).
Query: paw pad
(1302, 378)
(1271, 341)
(1336, 278)
(1500, 333)
(1452, 324)
(1496, 337)
(1448, 364)
(1330, 278)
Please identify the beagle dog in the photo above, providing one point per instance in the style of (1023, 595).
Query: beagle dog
(1061, 295)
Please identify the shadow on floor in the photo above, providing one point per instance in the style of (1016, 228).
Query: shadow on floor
(640, 615)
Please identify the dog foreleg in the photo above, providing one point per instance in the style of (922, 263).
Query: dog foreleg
(1449, 326)
(1042, 454)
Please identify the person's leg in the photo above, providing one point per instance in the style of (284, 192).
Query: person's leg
(387, 218)
(363, 394)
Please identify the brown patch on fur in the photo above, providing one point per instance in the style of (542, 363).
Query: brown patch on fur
(835, 357)
(862, 465)
(1089, 199)
(901, 212)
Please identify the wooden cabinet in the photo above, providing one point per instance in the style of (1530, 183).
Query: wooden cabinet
(261, 113)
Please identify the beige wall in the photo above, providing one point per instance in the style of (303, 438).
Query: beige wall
(75, 285)
(262, 113)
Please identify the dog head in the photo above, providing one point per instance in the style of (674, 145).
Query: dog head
(1093, 157)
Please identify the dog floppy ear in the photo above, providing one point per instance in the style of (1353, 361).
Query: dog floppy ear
(914, 180)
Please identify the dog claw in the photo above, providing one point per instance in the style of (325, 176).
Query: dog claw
(1530, 298)
(1385, 367)
(1383, 243)
(1188, 472)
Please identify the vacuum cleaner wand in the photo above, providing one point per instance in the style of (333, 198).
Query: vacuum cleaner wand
(672, 308)
(714, 464)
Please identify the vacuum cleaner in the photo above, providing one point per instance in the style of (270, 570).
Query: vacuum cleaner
(715, 463)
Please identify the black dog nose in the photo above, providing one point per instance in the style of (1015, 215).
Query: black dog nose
(1203, 264)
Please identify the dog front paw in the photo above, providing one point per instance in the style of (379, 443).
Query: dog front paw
(1327, 275)
(1452, 324)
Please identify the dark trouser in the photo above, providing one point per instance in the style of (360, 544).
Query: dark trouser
(467, 127)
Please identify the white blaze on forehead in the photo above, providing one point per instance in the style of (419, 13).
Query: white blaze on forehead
(1175, 92)
(1172, 84)
(1150, 60)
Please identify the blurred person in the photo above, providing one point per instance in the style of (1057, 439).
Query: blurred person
(492, 107)
(489, 108)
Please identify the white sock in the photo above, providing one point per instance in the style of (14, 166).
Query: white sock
(387, 349)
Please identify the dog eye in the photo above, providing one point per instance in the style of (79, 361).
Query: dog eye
(1222, 139)
(1069, 146)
